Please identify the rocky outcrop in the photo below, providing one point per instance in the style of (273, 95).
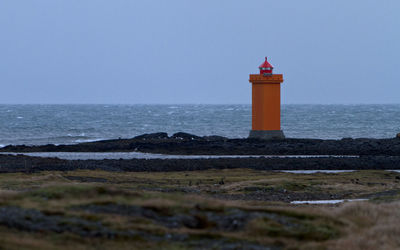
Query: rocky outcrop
(21, 163)
(153, 136)
(185, 144)
(185, 136)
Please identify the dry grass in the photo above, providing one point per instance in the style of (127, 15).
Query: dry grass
(358, 225)
(370, 226)
(16, 240)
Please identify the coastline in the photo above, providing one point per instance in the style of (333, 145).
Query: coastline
(183, 152)
(188, 144)
(22, 163)
(247, 196)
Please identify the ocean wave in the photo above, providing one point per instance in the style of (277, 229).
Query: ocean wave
(80, 135)
(88, 140)
(70, 124)
(56, 140)
(81, 130)
(65, 137)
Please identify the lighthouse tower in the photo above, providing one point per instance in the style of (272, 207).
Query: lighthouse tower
(266, 103)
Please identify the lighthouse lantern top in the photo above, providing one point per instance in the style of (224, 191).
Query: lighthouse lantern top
(266, 68)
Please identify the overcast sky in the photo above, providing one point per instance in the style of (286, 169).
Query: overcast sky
(182, 51)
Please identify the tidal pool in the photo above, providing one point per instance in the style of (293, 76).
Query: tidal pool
(316, 171)
(326, 201)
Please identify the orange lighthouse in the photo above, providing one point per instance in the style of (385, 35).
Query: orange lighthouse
(266, 103)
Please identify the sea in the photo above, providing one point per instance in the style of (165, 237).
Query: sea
(70, 124)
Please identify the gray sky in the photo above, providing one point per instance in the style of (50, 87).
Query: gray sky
(181, 51)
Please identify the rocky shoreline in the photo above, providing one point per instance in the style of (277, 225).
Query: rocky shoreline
(372, 154)
(188, 144)
(22, 163)
(220, 203)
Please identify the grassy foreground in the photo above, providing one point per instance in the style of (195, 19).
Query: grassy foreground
(213, 209)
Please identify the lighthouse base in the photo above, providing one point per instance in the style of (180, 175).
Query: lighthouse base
(267, 134)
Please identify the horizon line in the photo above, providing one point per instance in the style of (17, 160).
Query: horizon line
(194, 104)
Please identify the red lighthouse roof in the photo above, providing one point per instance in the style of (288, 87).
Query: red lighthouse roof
(266, 64)
(266, 68)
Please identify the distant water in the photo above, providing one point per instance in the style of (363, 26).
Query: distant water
(140, 155)
(67, 124)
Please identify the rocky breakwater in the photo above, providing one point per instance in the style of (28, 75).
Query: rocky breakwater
(188, 144)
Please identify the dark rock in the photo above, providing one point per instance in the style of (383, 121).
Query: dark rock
(224, 220)
(36, 221)
(215, 138)
(27, 164)
(152, 136)
(347, 139)
(32, 220)
(185, 144)
(185, 136)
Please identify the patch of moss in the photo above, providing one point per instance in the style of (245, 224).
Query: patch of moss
(64, 191)
(294, 228)
(293, 186)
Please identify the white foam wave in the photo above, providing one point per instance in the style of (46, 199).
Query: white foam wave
(57, 140)
(88, 140)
